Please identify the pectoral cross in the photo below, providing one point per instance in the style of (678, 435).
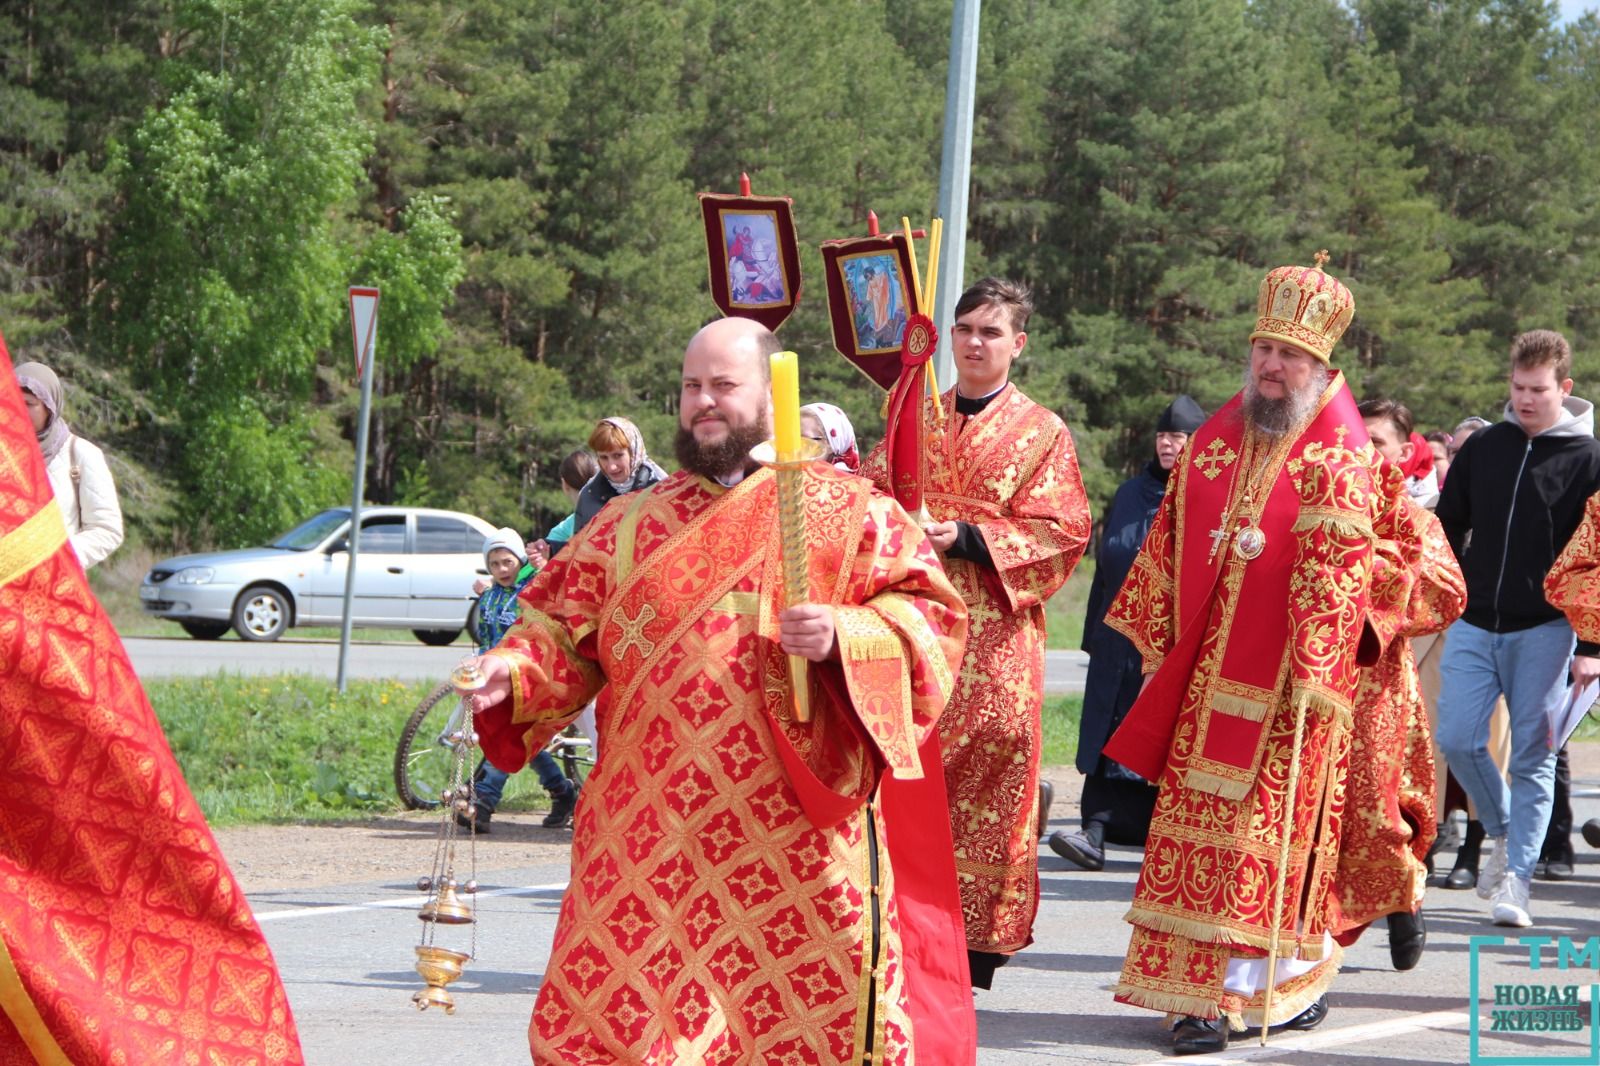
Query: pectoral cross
(1217, 536)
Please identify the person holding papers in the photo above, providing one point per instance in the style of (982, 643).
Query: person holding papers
(1514, 498)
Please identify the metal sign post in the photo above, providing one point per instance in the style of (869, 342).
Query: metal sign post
(955, 176)
(364, 336)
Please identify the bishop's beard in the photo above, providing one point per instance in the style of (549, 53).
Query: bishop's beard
(1277, 417)
(724, 457)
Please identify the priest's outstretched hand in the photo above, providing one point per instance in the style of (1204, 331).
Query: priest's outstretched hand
(496, 682)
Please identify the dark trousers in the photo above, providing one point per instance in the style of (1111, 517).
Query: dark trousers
(1121, 808)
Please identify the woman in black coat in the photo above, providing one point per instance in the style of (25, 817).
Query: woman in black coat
(1117, 802)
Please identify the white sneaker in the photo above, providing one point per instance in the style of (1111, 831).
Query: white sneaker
(1494, 871)
(1511, 902)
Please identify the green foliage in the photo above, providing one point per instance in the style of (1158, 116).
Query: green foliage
(244, 452)
(191, 186)
(277, 748)
(290, 748)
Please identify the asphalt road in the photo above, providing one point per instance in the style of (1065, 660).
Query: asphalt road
(185, 657)
(346, 956)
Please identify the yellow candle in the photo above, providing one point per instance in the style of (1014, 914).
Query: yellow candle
(785, 404)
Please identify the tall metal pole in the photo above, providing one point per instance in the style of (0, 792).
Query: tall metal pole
(360, 490)
(955, 175)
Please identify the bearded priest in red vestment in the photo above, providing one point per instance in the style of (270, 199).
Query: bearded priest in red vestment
(1390, 815)
(1011, 521)
(745, 887)
(1276, 503)
(123, 936)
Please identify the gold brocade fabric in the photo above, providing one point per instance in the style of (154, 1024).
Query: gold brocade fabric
(1573, 584)
(1212, 862)
(711, 917)
(1012, 471)
(1390, 814)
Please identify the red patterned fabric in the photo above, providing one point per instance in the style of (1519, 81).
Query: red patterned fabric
(1213, 858)
(1012, 471)
(1389, 791)
(722, 906)
(128, 940)
(1573, 584)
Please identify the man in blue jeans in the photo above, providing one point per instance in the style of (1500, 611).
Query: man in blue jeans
(1515, 494)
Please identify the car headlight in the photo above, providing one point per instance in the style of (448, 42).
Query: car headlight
(193, 575)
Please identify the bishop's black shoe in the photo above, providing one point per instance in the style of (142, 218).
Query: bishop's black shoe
(1309, 1018)
(1200, 1036)
(1408, 935)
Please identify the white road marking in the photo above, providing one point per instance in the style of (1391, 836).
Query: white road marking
(1245, 1048)
(403, 903)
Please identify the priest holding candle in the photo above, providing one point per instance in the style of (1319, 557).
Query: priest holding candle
(737, 888)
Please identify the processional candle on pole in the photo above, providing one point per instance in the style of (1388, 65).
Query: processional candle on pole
(790, 454)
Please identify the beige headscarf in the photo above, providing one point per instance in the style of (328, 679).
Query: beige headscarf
(42, 382)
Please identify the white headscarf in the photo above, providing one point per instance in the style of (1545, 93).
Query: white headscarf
(841, 435)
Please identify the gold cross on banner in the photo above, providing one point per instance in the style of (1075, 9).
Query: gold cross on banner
(633, 631)
(1214, 458)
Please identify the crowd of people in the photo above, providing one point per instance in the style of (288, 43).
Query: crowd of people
(1319, 751)
(812, 826)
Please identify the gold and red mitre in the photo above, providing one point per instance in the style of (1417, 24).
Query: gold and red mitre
(1304, 306)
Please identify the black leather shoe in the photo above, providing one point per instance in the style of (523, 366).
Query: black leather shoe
(1309, 1018)
(1047, 795)
(1591, 832)
(1200, 1036)
(1462, 877)
(1408, 935)
(1077, 849)
(1558, 870)
(480, 824)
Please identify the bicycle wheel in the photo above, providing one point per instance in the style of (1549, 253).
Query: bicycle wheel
(573, 753)
(422, 762)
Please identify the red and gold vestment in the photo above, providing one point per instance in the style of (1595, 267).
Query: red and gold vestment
(1011, 470)
(1573, 584)
(1389, 822)
(736, 889)
(124, 937)
(1249, 522)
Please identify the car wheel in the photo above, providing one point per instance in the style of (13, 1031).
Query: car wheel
(204, 630)
(261, 613)
(436, 638)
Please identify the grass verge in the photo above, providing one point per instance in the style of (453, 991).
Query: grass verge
(290, 748)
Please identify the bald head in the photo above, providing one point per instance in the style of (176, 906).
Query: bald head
(723, 410)
(734, 339)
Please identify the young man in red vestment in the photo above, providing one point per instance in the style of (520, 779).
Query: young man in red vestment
(742, 888)
(1389, 789)
(1244, 720)
(1011, 521)
(123, 936)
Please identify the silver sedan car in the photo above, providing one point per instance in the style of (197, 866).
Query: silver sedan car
(414, 570)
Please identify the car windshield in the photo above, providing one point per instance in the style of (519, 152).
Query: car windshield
(314, 531)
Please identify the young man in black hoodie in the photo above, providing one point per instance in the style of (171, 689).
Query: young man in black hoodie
(1515, 494)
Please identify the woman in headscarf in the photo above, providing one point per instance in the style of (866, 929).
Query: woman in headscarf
(831, 426)
(79, 476)
(1117, 803)
(618, 447)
